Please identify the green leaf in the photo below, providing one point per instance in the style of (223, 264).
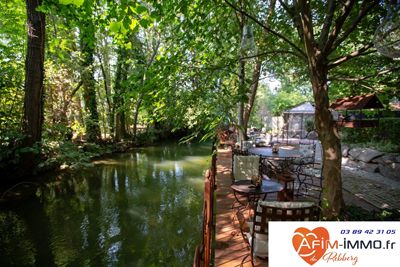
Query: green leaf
(154, 16)
(141, 9)
(128, 45)
(133, 24)
(144, 23)
(78, 3)
(65, 2)
(115, 26)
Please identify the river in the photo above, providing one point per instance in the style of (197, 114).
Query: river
(141, 208)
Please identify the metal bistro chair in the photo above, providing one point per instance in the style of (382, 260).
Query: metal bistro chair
(307, 152)
(256, 235)
(237, 152)
(308, 184)
(244, 168)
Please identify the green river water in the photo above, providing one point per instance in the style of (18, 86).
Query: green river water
(141, 208)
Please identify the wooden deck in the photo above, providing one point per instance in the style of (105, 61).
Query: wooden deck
(230, 247)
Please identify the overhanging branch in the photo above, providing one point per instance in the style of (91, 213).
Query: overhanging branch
(361, 14)
(269, 53)
(76, 89)
(330, 9)
(338, 26)
(268, 29)
(361, 52)
(363, 78)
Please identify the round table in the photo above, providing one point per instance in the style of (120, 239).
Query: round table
(280, 165)
(251, 192)
(282, 154)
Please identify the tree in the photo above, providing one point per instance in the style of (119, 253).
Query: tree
(257, 71)
(119, 87)
(322, 38)
(34, 75)
(87, 45)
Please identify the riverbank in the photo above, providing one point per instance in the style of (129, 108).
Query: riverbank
(57, 157)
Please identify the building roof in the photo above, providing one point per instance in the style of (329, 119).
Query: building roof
(369, 101)
(305, 108)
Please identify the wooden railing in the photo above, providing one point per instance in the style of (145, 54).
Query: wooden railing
(203, 252)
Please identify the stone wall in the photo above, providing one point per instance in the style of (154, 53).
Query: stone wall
(387, 164)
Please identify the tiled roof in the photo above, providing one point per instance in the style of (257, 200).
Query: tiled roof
(369, 101)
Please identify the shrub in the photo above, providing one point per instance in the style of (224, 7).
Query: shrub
(385, 138)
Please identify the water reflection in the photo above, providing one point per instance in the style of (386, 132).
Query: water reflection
(135, 209)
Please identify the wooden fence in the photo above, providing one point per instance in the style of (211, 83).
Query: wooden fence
(203, 252)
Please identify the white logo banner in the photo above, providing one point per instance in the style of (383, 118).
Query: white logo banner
(361, 244)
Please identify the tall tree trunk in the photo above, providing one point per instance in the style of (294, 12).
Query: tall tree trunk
(104, 59)
(327, 131)
(120, 76)
(242, 95)
(245, 109)
(87, 37)
(331, 147)
(136, 116)
(34, 75)
(253, 93)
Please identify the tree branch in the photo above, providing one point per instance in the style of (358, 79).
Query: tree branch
(280, 36)
(270, 52)
(76, 89)
(361, 52)
(330, 9)
(338, 26)
(308, 32)
(363, 78)
(295, 18)
(361, 14)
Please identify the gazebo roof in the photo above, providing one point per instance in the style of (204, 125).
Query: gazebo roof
(395, 106)
(305, 108)
(357, 102)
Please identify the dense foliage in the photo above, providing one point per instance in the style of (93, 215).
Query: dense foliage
(385, 137)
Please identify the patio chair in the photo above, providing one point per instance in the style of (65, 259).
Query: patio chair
(308, 184)
(256, 235)
(244, 167)
(307, 152)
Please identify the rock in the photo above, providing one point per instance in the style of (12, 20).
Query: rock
(391, 170)
(350, 163)
(398, 158)
(385, 159)
(345, 150)
(354, 153)
(369, 167)
(368, 154)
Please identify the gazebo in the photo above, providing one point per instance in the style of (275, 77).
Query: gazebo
(296, 118)
(351, 109)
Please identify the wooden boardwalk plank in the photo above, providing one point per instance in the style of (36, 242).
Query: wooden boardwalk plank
(230, 248)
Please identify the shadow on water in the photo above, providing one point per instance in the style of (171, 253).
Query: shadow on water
(141, 208)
